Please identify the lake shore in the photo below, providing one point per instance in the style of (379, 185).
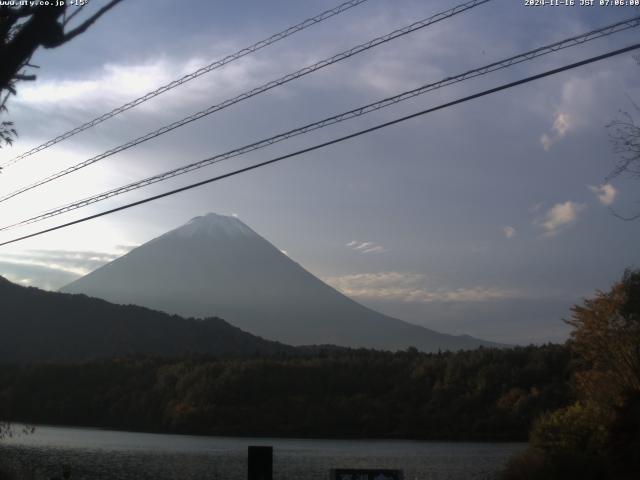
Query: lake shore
(100, 454)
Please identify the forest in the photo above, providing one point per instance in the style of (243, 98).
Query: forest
(485, 394)
(577, 404)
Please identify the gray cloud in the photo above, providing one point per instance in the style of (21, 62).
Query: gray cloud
(36, 275)
(410, 287)
(509, 231)
(69, 264)
(366, 247)
(560, 216)
(606, 194)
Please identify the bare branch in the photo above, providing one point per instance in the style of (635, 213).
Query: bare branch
(84, 25)
(624, 136)
(22, 76)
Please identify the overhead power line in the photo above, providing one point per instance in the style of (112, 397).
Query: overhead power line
(357, 112)
(332, 142)
(191, 76)
(256, 91)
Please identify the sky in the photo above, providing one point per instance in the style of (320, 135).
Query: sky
(490, 218)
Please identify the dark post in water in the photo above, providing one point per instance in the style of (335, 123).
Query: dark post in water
(260, 463)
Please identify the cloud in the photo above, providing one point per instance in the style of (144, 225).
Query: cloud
(546, 142)
(562, 123)
(577, 104)
(122, 249)
(77, 263)
(34, 275)
(606, 193)
(392, 73)
(113, 84)
(410, 287)
(24, 281)
(560, 216)
(50, 265)
(379, 279)
(376, 249)
(112, 81)
(365, 247)
(509, 232)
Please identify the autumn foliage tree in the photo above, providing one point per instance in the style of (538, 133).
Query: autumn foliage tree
(597, 437)
(606, 337)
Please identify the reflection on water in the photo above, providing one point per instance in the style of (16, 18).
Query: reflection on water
(103, 454)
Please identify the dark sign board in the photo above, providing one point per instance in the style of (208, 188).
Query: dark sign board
(366, 474)
(260, 463)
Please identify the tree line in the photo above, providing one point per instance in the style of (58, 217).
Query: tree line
(486, 394)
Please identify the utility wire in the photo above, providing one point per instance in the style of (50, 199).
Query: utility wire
(201, 71)
(357, 112)
(258, 90)
(334, 141)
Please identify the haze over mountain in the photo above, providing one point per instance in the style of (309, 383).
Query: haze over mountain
(36, 326)
(216, 265)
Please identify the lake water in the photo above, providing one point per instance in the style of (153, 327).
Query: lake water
(103, 454)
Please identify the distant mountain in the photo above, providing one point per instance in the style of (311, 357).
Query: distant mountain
(217, 266)
(40, 326)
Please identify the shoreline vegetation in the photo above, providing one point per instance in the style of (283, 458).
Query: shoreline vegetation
(479, 395)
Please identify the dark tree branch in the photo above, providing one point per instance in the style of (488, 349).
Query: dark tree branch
(41, 28)
(86, 24)
(624, 135)
(23, 30)
(20, 12)
(22, 76)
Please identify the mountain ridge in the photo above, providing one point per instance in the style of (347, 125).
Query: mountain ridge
(42, 326)
(215, 265)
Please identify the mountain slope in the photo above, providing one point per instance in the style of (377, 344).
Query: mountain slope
(46, 326)
(216, 265)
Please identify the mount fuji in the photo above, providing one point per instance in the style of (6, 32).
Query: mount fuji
(216, 265)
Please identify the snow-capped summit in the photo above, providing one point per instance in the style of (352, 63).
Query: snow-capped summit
(213, 224)
(215, 265)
